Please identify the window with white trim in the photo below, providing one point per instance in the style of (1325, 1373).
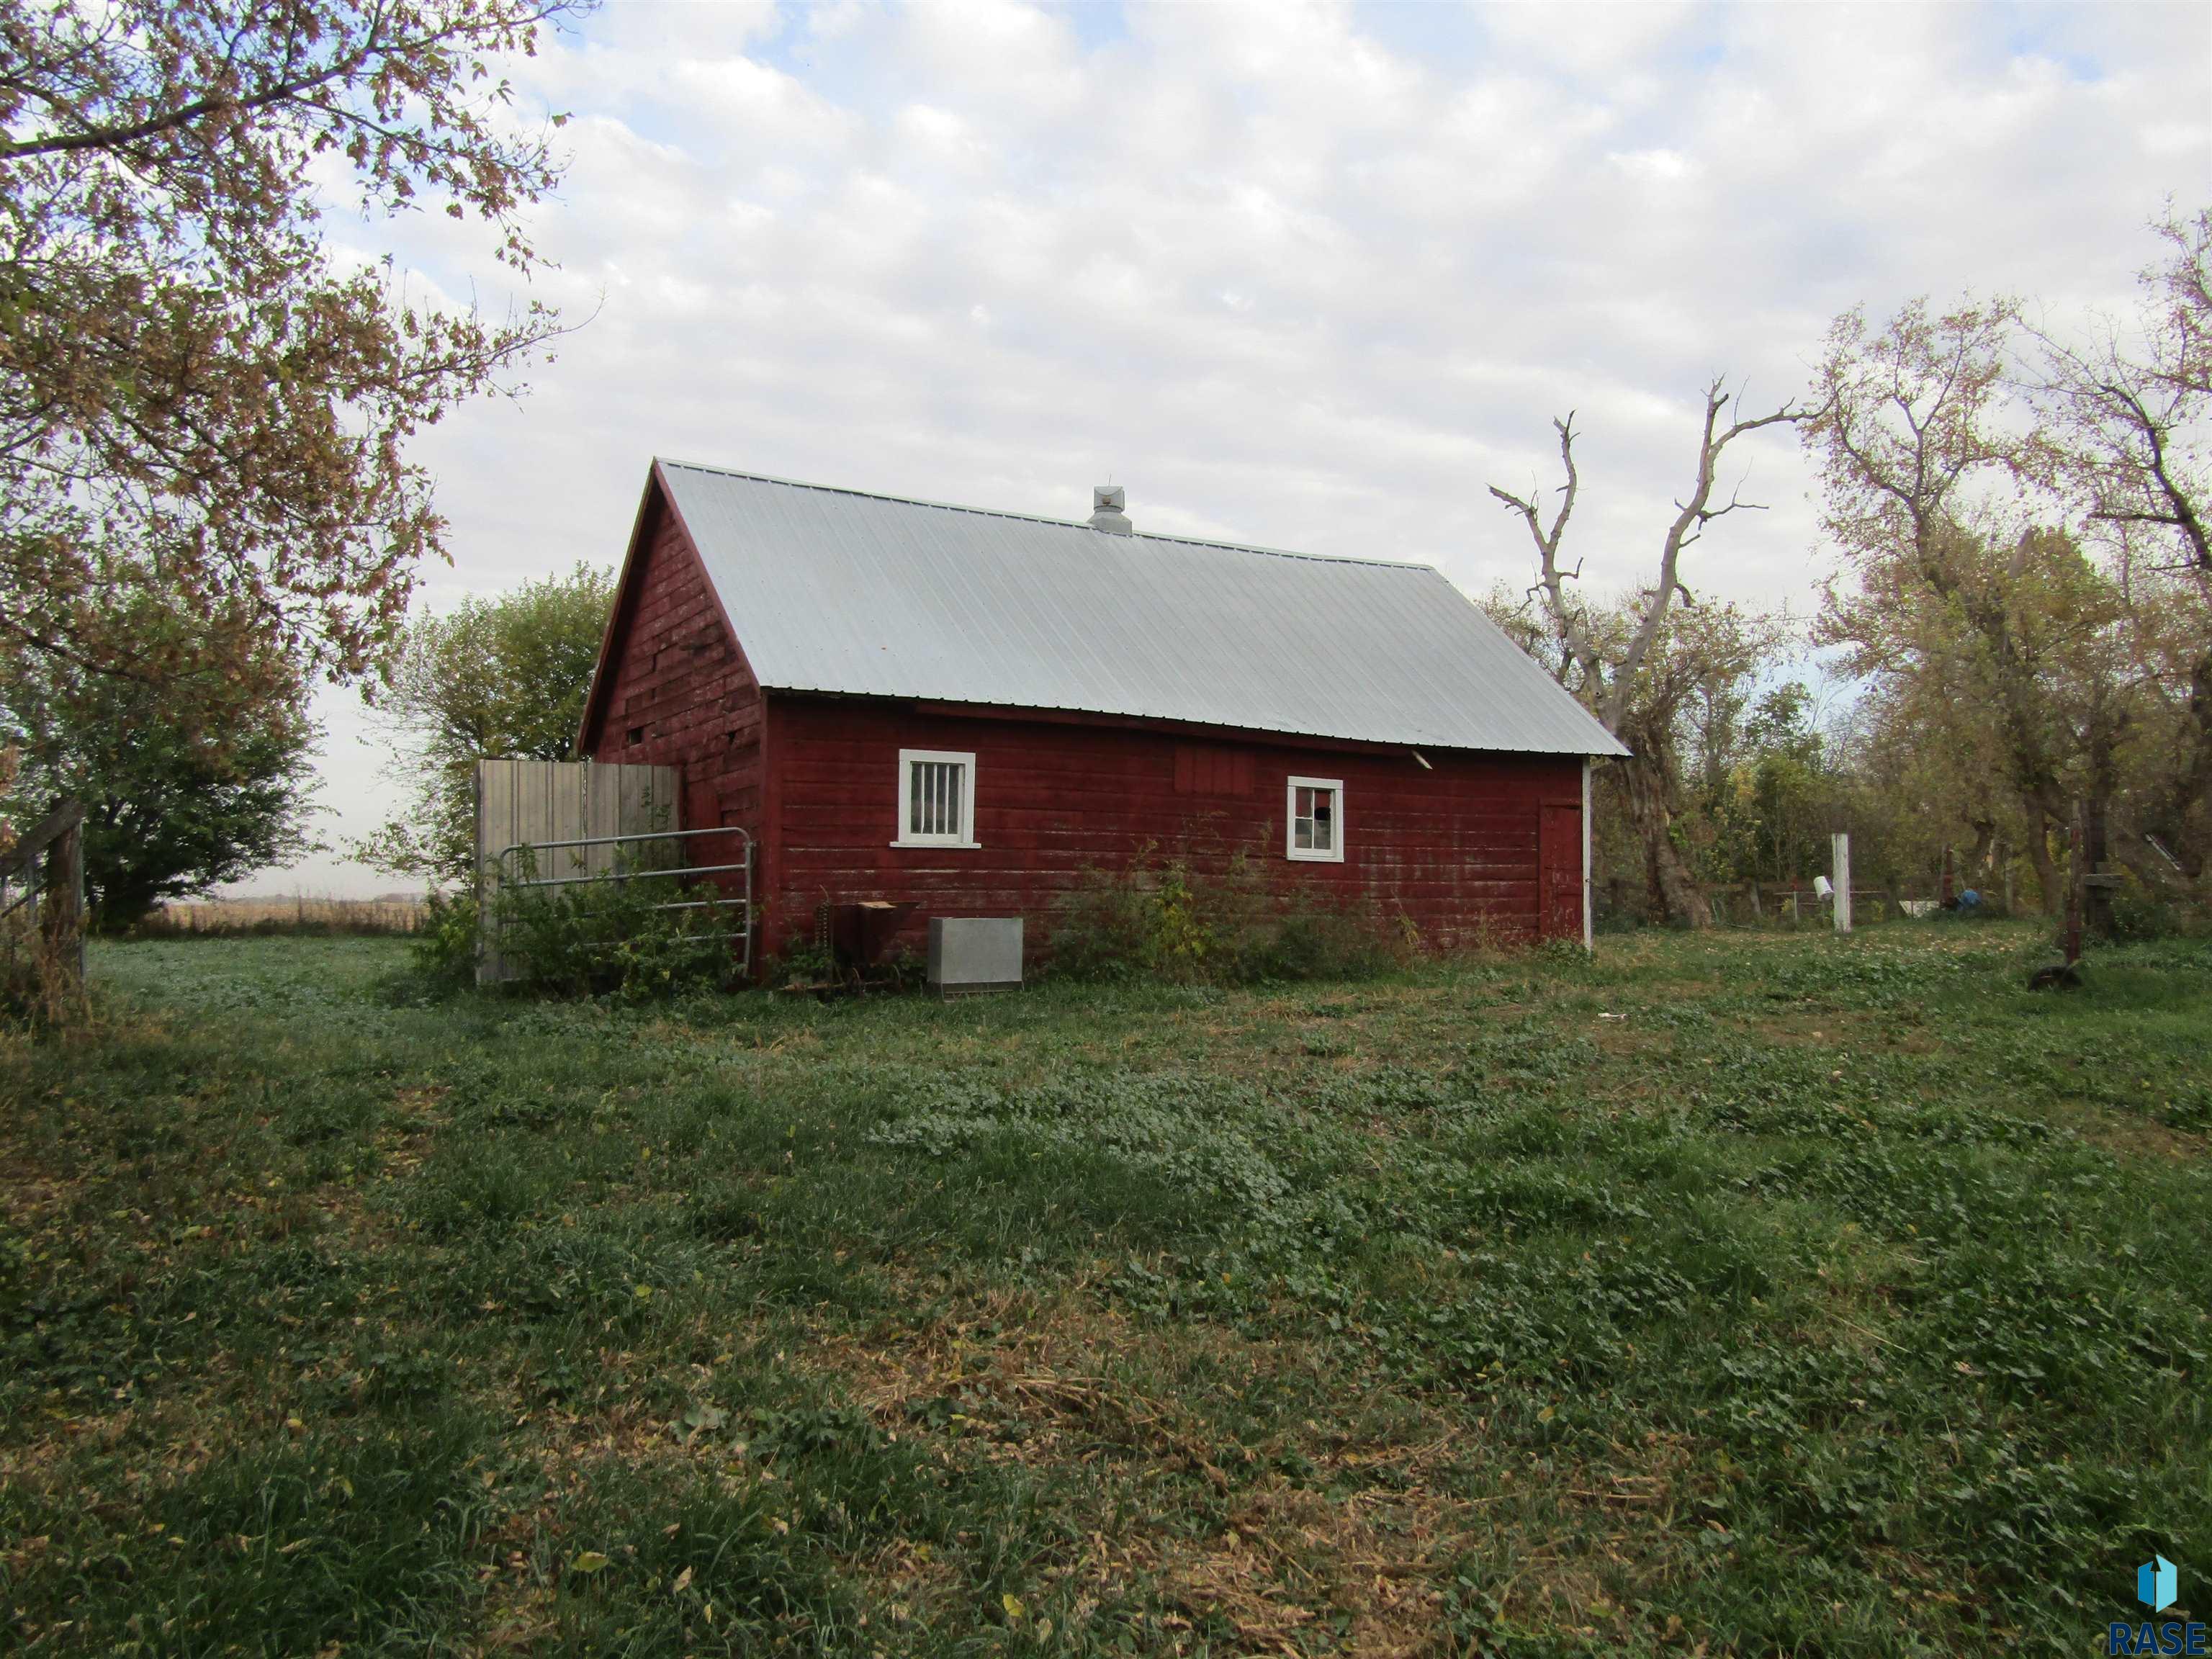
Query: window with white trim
(936, 799)
(1316, 820)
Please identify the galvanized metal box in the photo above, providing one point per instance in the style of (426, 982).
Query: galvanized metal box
(974, 953)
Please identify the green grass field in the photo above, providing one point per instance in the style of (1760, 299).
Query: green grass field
(1743, 1295)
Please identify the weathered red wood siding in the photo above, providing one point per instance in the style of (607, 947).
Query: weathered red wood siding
(815, 780)
(1454, 848)
(681, 693)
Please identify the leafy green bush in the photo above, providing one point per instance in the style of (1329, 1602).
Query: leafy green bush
(1163, 918)
(443, 950)
(804, 962)
(617, 937)
(2141, 912)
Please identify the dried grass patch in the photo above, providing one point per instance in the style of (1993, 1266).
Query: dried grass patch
(1116, 1401)
(413, 1118)
(30, 1198)
(2134, 1134)
(392, 914)
(1621, 1036)
(516, 1609)
(1067, 1371)
(1292, 1558)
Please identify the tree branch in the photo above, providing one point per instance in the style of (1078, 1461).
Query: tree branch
(1574, 639)
(199, 109)
(1690, 518)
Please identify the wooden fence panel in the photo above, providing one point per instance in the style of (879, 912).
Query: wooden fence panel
(650, 800)
(529, 802)
(603, 815)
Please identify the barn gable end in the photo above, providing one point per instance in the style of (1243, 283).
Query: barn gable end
(673, 687)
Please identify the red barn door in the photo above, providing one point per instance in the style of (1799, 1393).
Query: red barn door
(1559, 868)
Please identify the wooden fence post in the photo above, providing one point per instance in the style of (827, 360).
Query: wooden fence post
(2099, 881)
(50, 858)
(1840, 855)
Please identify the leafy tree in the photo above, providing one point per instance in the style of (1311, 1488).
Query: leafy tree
(1920, 468)
(1767, 790)
(1921, 768)
(2168, 780)
(196, 397)
(2126, 419)
(505, 676)
(1997, 640)
(196, 781)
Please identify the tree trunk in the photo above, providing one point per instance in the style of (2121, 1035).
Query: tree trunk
(2107, 729)
(2048, 881)
(1985, 838)
(1673, 888)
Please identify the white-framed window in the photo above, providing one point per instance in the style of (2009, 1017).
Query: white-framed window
(1316, 820)
(936, 798)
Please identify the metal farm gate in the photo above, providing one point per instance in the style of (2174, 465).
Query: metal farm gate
(561, 823)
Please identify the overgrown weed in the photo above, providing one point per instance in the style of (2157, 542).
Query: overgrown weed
(638, 932)
(1230, 920)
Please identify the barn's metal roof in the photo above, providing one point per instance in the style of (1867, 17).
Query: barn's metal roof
(832, 590)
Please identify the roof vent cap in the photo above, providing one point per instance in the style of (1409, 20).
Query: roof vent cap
(1107, 502)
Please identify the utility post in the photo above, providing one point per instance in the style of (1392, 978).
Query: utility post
(1840, 845)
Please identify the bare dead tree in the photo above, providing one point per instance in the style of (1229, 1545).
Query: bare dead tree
(1609, 673)
(1610, 686)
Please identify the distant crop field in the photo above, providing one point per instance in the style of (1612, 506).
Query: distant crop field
(397, 914)
(1748, 1294)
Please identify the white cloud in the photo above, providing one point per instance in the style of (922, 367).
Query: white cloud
(1306, 276)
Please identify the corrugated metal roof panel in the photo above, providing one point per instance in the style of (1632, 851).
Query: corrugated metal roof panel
(831, 590)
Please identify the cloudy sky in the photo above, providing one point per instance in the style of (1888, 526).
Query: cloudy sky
(1307, 277)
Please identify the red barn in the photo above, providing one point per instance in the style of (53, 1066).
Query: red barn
(903, 700)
